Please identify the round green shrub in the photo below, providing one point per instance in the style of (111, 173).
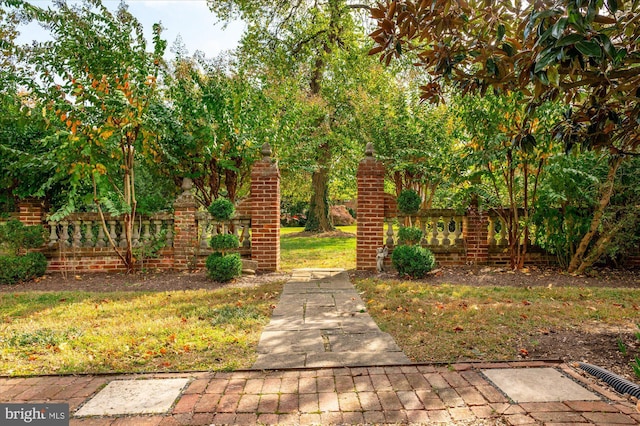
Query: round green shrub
(224, 268)
(409, 236)
(15, 269)
(15, 236)
(223, 242)
(222, 209)
(412, 261)
(409, 202)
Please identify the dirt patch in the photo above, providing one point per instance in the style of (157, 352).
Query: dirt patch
(165, 281)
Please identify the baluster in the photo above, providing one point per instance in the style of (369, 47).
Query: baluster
(457, 235)
(246, 237)
(135, 238)
(102, 238)
(123, 234)
(434, 231)
(88, 233)
(234, 226)
(492, 231)
(204, 240)
(146, 235)
(112, 231)
(77, 234)
(503, 233)
(158, 234)
(423, 228)
(65, 233)
(390, 242)
(446, 222)
(169, 234)
(53, 235)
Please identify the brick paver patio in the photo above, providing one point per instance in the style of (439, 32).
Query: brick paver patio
(408, 394)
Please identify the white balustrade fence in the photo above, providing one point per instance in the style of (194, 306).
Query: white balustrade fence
(208, 227)
(85, 230)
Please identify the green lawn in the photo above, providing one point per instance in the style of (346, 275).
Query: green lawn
(317, 252)
(449, 323)
(80, 332)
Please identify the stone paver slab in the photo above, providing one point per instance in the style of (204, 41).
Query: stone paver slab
(538, 385)
(122, 397)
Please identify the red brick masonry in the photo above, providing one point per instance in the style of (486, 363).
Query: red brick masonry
(364, 395)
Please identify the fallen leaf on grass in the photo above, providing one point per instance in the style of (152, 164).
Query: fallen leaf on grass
(524, 353)
(458, 329)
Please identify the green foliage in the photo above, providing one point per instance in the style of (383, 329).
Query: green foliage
(15, 269)
(636, 366)
(222, 209)
(224, 242)
(621, 346)
(16, 237)
(223, 268)
(409, 202)
(409, 235)
(412, 261)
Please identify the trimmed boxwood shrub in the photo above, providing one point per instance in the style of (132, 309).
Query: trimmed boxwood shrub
(409, 202)
(412, 261)
(224, 242)
(222, 209)
(223, 268)
(15, 269)
(409, 236)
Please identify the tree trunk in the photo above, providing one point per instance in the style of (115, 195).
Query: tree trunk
(605, 197)
(318, 219)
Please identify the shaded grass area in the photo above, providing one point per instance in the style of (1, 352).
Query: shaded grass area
(80, 332)
(317, 251)
(449, 323)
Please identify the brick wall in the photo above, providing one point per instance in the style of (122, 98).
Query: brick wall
(31, 211)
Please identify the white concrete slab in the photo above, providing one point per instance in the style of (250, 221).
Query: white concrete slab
(120, 397)
(538, 385)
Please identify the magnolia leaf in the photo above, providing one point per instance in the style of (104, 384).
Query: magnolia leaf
(589, 48)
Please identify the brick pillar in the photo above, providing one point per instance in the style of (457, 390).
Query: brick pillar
(185, 228)
(265, 212)
(31, 211)
(370, 211)
(476, 234)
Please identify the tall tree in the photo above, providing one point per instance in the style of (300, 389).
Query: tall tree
(99, 80)
(303, 39)
(582, 52)
(214, 116)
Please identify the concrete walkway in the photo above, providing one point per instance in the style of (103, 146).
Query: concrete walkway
(321, 321)
(324, 361)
